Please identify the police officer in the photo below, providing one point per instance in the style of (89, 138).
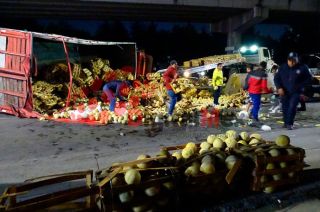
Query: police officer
(290, 81)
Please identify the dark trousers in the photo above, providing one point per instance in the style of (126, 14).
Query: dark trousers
(216, 95)
(256, 101)
(289, 107)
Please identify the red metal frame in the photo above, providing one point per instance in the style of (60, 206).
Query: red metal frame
(15, 76)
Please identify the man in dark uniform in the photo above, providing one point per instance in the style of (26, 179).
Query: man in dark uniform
(290, 81)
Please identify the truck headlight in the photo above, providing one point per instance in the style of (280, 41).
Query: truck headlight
(253, 48)
(243, 49)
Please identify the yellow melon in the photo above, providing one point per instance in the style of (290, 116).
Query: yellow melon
(132, 176)
(207, 168)
(210, 139)
(282, 140)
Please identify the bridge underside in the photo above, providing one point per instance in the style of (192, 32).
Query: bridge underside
(113, 11)
(78, 10)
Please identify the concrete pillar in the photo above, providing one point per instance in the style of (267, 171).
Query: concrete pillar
(234, 39)
(236, 25)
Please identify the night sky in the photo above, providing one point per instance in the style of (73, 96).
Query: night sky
(182, 40)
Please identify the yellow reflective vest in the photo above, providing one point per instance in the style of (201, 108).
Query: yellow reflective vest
(217, 77)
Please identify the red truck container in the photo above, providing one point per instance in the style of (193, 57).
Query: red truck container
(18, 64)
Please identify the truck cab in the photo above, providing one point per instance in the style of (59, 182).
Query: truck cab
(254, 55)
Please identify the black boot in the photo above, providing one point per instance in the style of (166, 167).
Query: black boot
(301, 109)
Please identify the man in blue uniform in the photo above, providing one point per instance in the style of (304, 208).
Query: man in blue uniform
(112, 90)
(290, 81)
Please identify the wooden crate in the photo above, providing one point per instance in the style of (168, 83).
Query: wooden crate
(155, 176)
(262, 177)
(79, 198)
(206, 183)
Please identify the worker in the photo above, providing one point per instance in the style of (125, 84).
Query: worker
(249, 68)
(275, 97)
(290, 81)
(257, 85)
(169, 76)
(113, 91)
(217, 83)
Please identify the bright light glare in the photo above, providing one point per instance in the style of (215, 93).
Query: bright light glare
(243, 49)
(253, 48)
(202, 73)
(186, 74)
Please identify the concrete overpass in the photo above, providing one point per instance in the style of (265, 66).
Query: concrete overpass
(227, 16)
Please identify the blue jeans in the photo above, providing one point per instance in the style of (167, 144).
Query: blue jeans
(216, 95)
(111, 97)
(289, 107)
(173, 100)
(256, 101)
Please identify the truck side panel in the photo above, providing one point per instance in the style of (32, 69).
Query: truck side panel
(15, 63)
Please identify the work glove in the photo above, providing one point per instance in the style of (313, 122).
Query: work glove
(215, 88)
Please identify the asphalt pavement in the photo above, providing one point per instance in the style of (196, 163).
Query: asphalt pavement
(31, 148)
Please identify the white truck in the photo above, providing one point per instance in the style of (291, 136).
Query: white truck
(254, 55)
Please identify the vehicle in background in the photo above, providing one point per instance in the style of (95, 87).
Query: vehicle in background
(255, 55)
(313, 62)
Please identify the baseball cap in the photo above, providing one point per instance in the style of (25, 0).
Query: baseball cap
(293, 55)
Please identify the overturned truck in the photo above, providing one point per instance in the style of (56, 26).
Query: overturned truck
(31, 60)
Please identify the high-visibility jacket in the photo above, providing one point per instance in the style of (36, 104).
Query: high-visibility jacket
(217, 77)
